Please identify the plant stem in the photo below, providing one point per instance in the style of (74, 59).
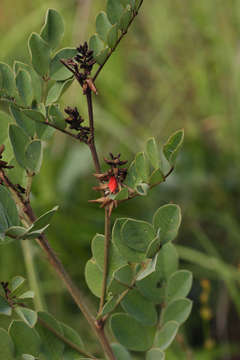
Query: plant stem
(92, 135)
(66, 341)
(28, 254)
(75, 293)
(106, 257)
(99, 326)
(61, 130)
(151, 187)
(121, 297)
(59, 268)
(120, 38)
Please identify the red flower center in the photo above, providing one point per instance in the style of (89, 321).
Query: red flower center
(112, 184)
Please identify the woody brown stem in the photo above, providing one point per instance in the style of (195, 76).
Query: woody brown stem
(59, 268)
(91, 143)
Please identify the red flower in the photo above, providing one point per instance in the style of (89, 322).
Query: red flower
(112, 184)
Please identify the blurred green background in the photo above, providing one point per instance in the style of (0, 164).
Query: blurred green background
(179, 66)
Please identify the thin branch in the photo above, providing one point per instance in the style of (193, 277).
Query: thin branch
(106, 257)
(121, 297)
(168, 173)
(59, 268)
(13, 101)
(91, 143)
(28, 254)
(114, 48)
(66, 341)
(61, 130)
(151, 187)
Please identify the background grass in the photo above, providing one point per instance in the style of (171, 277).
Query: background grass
(178, 67)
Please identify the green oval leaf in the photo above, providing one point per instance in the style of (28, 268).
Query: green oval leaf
(167, 261)
(132, 178)
(34, 115)
(25, 339)
(7, 82)
(40, 54)
(96, 45)
(16, 284)
(137, 234)
(19, 141)
(112, 36)
(52, 346)
(57, 90)
(173, 145)
(168, 219)
(142, 167)
(57, 70)
(115, 260)
(17, 175)
(130, 333)
(6, 346)
(34, 155)
(153, 286)
(43, 220)
(71, 335)
(15, 232)
(121, 280)
(5, 309)
(140, 308)
(27, 295)
(103, 25)
(56, 117)
(114, 11)
(53, 29)
(23, 121)
(102, 56)
(177, 310)
(36, 79)
(127, 253)
(94, 277)
(120, 352)
(179, 284)
(27, 315)
(24, 86)
(166, 335)
(125, 19)
(5, 119)
(156, 177)
(34, 234)
(153, 152)
(8, 212)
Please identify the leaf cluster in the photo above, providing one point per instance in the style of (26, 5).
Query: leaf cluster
(143, 279)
